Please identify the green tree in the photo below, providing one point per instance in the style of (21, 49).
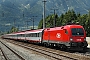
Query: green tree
(48, 21)
(69, 16)
(60, 20)
(40, 26)
(14, 29)
(87, 23)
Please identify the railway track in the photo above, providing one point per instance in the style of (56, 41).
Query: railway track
(1, 55)
(55, 54)
(8, 53)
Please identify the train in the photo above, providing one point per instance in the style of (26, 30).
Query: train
(70, 36)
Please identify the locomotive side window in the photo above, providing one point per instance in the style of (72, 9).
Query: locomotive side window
(66, 31)
(77, 31)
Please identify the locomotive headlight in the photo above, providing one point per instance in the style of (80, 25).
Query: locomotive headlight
(71, 39)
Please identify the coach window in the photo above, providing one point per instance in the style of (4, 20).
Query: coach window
(31, 35)
(28, 35)
(34, 34)
(20, 35)
(40, 34)
(23, 35)
(37, 34)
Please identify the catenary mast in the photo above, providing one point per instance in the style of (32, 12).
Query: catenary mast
(44, 14)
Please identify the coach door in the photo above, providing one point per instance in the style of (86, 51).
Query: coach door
(40, 35)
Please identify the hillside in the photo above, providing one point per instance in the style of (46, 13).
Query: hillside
(17, 12)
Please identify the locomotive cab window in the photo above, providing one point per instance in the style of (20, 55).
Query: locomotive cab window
(77, 31)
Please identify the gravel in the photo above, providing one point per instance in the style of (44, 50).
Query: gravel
(31, 55)
(27, 54)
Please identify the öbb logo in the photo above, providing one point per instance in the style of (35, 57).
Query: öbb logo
(58, 35)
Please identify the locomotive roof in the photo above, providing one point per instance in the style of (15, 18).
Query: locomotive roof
(74, 26)
(65, 27)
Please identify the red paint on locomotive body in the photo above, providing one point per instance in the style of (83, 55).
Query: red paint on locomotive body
(64, 33)
(69, 35)
(55, 34)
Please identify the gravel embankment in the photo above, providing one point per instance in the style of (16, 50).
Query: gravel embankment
(27, 54)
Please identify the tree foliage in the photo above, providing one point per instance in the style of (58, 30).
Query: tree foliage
(69, 16)
(13, 29)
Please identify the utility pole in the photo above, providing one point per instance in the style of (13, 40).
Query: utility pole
(27, 24)
(14, 24)
(18, 27)
(23, 15)
(54, 21)
(44, 25)
(2, 14)
(33, 20)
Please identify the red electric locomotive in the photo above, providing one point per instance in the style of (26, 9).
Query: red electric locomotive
(69, 36)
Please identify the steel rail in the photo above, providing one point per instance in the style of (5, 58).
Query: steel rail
(12, 51)
(45, 52)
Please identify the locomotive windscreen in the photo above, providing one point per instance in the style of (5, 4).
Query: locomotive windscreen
(77, 31)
